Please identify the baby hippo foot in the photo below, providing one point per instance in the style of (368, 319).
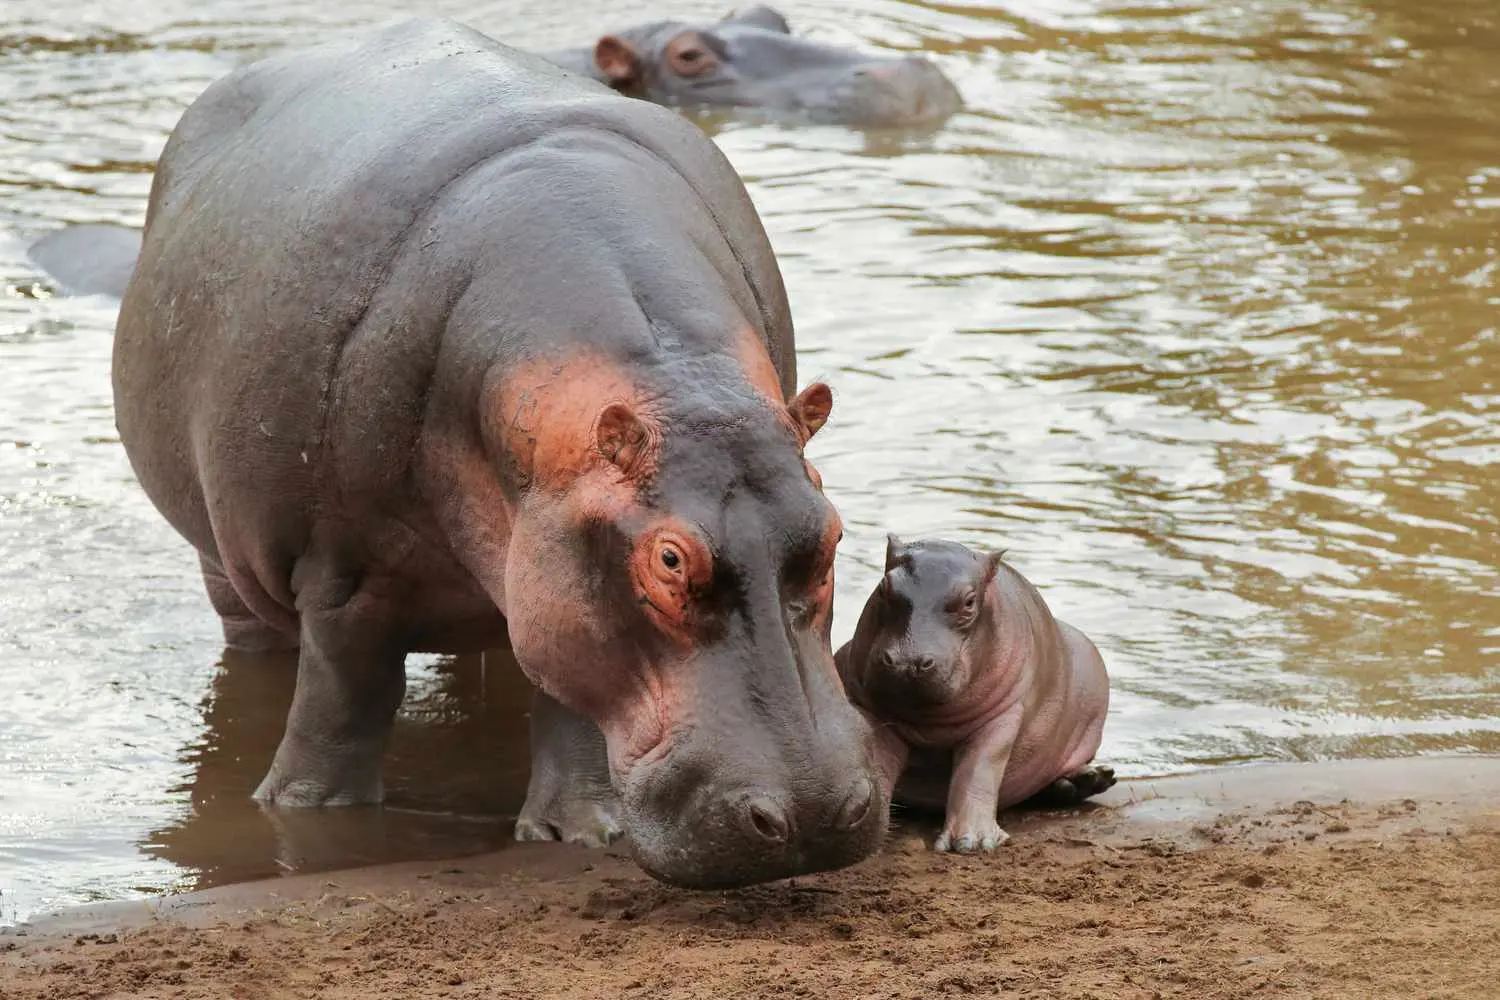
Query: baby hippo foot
(970, 838)
(569, 797)
(1075, 788)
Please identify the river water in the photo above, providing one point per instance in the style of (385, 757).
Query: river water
(1193, 311)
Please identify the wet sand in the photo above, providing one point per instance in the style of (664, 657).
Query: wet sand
(1348, 879)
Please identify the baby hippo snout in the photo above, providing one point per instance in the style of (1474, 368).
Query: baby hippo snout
(915, 664)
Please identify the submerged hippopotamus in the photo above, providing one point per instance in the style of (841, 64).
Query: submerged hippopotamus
(747, 60)
(960, 662)
(751, 60)
(431, 345)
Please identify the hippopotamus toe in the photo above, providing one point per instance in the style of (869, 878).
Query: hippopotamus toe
(982, 840)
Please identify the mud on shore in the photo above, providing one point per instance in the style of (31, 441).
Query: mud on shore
(1364, 879)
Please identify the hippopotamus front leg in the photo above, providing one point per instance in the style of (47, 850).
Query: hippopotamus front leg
(350, 680)
(569, 797)
(979, 764)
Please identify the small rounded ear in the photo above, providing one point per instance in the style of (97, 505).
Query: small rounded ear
(618, 60)
(762, 17)
(991, 565)
(810, 409)
(622, 437)
(893, 547)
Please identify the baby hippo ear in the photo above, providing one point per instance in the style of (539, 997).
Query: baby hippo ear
(618, 60)
(893, 547)
(809, 411)
(623, 438)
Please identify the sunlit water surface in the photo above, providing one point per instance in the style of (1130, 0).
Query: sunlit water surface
(1193, 311)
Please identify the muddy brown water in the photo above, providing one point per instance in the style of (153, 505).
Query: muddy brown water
(1193, 311)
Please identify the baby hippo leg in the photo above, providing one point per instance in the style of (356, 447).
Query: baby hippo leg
(972, 823)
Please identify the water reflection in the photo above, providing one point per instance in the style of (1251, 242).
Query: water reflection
(455, 774)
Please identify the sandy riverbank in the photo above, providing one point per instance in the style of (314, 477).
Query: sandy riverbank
(1356, 879)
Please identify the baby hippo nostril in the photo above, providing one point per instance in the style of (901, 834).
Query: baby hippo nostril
(856, 807)
(768, 820)
(885, 659)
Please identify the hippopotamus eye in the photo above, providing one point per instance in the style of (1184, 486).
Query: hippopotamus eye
(971, 601)
(670, 557)
(690, 58)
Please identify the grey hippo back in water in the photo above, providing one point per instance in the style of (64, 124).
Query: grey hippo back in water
(750, 59)
(431, 345)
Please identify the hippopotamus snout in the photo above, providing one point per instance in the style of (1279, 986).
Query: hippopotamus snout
(704, 819)
(899, 91)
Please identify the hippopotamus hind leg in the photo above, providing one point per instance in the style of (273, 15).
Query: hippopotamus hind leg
(350, 681)
(1074, 788)
(242, 629)
(569, 797)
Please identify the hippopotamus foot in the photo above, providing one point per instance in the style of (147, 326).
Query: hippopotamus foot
(350, 681)
(242, 629)
(1075, 788)
(569, 797)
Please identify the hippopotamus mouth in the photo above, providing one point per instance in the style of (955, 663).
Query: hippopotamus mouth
(751, 60)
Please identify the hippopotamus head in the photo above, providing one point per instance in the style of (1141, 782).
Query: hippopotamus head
(750, 59)
(916, 635)
(670, 577)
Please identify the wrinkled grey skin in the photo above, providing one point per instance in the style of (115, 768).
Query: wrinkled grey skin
(750, 59)
(973, 682)
(366, 269)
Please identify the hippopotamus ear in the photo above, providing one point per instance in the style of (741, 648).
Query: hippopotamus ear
(623, 438)
(618, 60)
(809, 411)
(762, 17)
(893, 547)
(992, 563)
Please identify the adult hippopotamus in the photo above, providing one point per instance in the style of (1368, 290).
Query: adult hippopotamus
(960, 661)
(431, 345)
(750, 59)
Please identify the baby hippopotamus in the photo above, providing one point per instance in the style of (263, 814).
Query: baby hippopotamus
(957, 657)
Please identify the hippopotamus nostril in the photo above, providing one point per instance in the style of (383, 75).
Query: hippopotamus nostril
(856, 807)
(885, 659)
(922, 664)
(768, 820)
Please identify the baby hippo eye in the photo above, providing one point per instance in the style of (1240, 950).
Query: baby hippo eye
(971, 601)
